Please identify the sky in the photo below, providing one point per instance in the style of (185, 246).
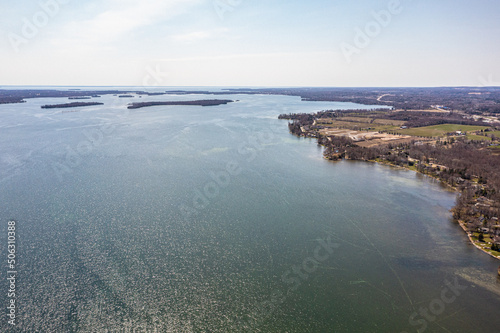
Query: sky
(334, 43)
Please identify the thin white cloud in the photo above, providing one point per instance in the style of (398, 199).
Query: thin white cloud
(331, 54)
(192, 36)
(121, 18)
(199, 35)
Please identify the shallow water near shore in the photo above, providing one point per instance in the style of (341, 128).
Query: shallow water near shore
(216, 219)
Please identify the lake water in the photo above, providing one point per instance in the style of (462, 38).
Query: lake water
(216, 219)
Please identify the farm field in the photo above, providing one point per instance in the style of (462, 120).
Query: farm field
(495, 133)
(439, 130)
(478, 137)
(360, 126)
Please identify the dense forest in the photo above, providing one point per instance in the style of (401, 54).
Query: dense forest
(205, 102)
(70, 105)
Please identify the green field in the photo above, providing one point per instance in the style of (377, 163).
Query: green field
(389, 122)
(369, 120)
(495, 133)
(439, 130)
(478, 137)
(358, 126)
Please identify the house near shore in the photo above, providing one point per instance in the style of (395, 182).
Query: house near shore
(483, 202)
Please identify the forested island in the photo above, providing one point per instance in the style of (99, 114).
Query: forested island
(70, 105)
(207, 102)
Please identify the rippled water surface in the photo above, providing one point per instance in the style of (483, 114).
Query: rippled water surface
(216, 219)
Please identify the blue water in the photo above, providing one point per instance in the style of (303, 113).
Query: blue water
(216, 219)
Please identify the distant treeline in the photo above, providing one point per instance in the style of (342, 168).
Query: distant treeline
(19, 96)
(474, 100)
(205, 92)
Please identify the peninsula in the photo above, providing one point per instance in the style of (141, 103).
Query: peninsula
(455, 147)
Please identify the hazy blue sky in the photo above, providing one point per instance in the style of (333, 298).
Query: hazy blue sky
(250, 42)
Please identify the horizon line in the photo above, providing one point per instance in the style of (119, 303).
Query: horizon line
(254, 87)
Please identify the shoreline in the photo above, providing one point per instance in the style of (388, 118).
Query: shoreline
(474, 243)
(460, 223)
(344, 147)
(453, 188)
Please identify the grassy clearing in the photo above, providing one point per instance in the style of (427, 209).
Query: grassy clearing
(478, 137)
(368, 120)
(356, 119)
(368, 114)
(426, 110)
(358, 126)
(495, 133)
(439, 130)
(337, 123)
(398, 123)
(386, 128)
(347, 124)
